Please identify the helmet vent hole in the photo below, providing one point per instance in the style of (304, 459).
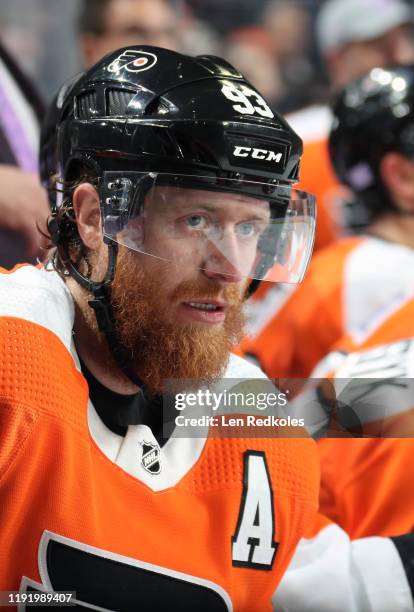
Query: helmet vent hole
(158, 107)
(86, 105)
(117, 101)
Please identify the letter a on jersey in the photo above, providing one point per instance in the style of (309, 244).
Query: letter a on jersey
(253, 544)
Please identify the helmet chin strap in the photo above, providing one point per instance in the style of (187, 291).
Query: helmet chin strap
(102, 307)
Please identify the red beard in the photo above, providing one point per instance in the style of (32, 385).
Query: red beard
(160, 350)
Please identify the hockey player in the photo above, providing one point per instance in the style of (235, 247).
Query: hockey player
(353, 37)
(367, 483)
(160, 229)
(176, 178)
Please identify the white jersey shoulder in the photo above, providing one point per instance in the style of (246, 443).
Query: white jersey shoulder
(374, 383)
(378, 279)
(331, 573)
(241, 368)
(39, 296)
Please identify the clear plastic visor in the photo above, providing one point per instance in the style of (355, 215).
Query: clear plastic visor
(231, 228)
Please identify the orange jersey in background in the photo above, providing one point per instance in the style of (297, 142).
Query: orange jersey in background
(316, 172)
(351, 288)
(310, 320)
(366, 485)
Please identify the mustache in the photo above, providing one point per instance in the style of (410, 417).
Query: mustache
(207, 290)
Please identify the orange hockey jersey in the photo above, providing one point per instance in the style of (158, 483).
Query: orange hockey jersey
(350, 289)
(199, 524)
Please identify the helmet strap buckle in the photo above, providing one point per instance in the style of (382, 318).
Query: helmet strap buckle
(102, 308)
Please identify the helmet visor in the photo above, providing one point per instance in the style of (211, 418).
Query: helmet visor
(234, 228)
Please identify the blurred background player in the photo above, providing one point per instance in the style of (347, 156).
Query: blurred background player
(352, 36)
(353, 285)
(366, 484)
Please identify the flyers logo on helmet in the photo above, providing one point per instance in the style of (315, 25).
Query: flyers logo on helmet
(133, 61)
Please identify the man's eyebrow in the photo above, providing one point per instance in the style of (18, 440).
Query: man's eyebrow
(188, 206)
(213, 208)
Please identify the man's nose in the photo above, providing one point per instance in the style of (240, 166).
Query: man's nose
(223, 260)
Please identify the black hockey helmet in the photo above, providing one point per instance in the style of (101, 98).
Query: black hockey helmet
(372, 116)
(146, 119)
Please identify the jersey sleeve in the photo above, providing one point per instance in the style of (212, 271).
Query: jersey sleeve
(331, 573)
(37, 372)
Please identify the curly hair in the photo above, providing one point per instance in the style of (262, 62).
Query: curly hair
(62, 224)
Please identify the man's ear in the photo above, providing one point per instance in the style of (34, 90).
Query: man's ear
(397, 173)
(87, 209)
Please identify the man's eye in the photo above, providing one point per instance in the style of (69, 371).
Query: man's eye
(247, 229)
(196, 222)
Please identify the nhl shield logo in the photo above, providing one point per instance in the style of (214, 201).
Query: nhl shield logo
(150, 458)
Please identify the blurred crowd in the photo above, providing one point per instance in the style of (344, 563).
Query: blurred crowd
(273, 40)
(280, 44)
(297, 53)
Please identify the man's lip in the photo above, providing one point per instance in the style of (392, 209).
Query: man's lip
(206, 316)
(216, 303)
